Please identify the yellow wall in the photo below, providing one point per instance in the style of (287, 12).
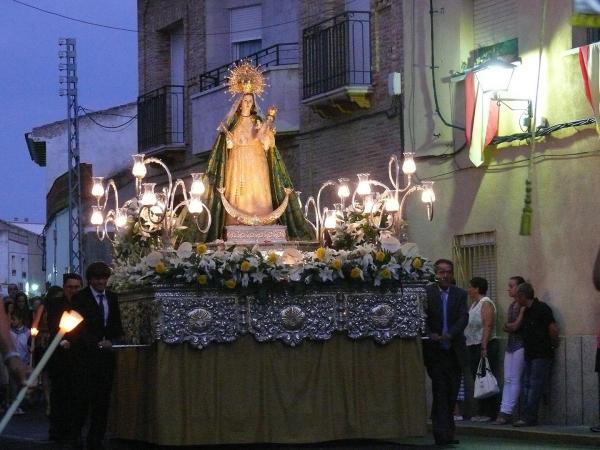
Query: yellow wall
(559, 254)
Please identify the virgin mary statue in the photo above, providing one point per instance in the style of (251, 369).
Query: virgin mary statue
(248, 181)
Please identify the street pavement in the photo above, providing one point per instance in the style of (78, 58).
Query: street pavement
(29, 432)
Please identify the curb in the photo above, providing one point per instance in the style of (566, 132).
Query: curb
(549, 434)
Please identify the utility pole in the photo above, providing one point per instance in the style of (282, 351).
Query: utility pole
(69, 89)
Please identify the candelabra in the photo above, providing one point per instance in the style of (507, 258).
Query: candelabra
(382, 204)
(153, 211)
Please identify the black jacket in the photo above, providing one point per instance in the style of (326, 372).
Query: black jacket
(458, 318)
(88, 333)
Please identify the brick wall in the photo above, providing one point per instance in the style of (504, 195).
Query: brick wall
(341, 146)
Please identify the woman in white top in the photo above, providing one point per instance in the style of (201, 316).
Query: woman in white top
(482, 342)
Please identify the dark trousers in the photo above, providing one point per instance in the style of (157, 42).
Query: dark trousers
(444, 370)
(60, 372)
(94, 384)
(537, 374)
(486, 406)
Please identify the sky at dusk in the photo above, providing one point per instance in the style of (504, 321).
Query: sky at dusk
(107, 72)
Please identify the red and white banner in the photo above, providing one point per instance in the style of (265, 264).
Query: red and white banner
(589, 61)
(481, 118)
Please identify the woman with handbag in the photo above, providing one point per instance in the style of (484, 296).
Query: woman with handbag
(483, 349)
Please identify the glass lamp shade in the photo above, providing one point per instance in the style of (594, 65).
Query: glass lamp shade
(428, 196)
(197, 186)
(330, 219)
(495, 76)
(408, 166)
(97, 217)
(194, 205)
(369, 204)
(97, 187)
(343, 189)
(121, 218)
(148, 194)
(391, 203)
(139, 168)
(364, 187)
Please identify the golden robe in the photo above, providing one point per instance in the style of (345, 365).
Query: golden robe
(247, 182)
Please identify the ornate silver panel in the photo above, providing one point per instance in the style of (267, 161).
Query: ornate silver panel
(293, 318)
(179, 314)
(197, 317)
(384, 316)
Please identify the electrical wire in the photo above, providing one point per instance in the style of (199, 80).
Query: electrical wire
(437, 106)
(111, 27)
(110, 127)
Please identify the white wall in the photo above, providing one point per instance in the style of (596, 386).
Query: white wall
(108, 150)
(57, 248)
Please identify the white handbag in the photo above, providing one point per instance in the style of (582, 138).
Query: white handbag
(486, 384)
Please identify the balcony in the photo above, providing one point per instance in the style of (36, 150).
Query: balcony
(275, 55)
(161, 121)
(210, 103)
(336, 64)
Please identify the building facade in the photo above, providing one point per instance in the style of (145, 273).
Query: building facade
(21, 258)
(357, 81)
(107, 139)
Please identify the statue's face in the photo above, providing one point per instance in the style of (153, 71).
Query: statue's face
(247, 103)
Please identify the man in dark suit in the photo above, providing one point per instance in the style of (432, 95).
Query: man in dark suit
(445, 351)
(60, 366)
(92, 352)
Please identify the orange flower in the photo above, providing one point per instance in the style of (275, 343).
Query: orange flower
(230, 283)
(385, 273)
(380, 256)
(320, 253)
(160, 267)
(355, 272)
(336, 264)
(202, 279)
(417, 263)
(201, 249)
(245, 266)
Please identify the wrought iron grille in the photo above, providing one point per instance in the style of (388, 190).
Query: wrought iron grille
(161, 117)
(336, 53)
(276, 55)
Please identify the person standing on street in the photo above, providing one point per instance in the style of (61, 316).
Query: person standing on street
(445, 351)
(540, 338)
(94, 360)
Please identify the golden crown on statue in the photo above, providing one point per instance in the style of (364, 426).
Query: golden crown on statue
(245, 78)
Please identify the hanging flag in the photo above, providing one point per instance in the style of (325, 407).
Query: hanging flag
(589, 62)
(481, 118)
(586, 13)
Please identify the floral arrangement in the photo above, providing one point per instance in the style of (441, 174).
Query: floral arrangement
(384, 264)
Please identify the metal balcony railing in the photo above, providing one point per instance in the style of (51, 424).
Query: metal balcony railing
(336, 53)
(161, 117)
(276, 55)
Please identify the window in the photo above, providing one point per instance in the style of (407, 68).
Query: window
(475, 256)
(494, 21)
(584, 36)
(246, 31)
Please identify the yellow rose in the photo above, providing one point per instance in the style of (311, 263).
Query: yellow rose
(230, 283)
(336, 264)
(245, 266)
(201, 249)
(355, 272)
(417, 263)
(380, 256)
(202, 279)
(320, 253)
(160, 267)
(272, 258)
(385, 273)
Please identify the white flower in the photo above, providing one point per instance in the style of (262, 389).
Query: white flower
(295, 273)
(326, 274)
(185, 250)
(292, 256)
(153, 258)
(389, 243)
(258, 277)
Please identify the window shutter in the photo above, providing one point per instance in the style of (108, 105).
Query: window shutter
(475, 256)
(246, 24)
(494, 21)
